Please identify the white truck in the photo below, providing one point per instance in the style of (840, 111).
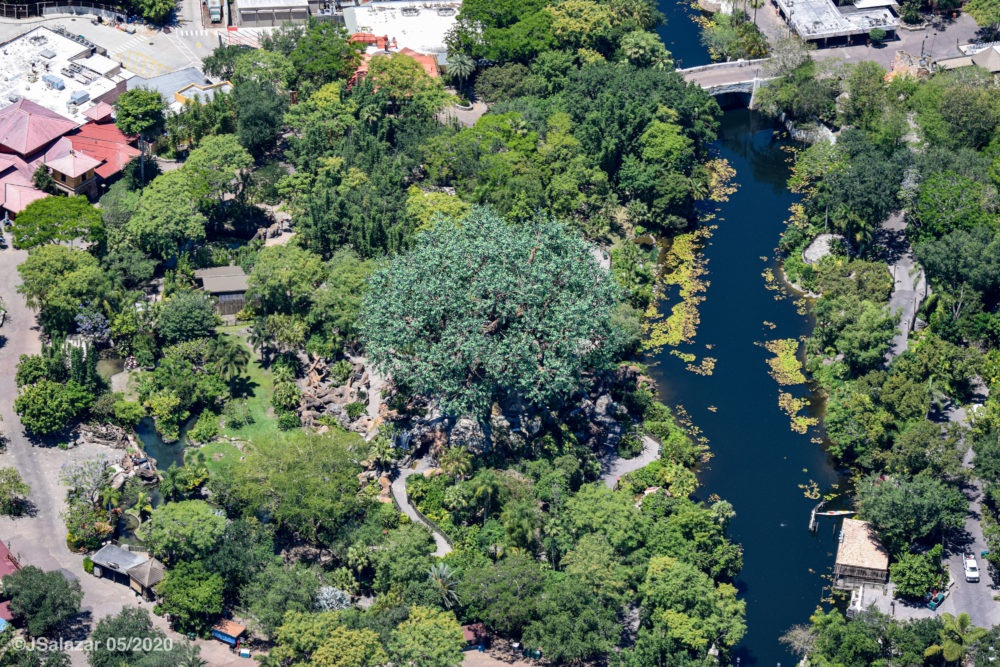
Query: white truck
(971, 568)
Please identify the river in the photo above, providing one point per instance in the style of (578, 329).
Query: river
(758, 461)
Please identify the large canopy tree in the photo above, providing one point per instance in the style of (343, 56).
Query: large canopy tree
(481, 310)
(56, 219)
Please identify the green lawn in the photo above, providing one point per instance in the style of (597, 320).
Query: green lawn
(216, 455)
(259, 388)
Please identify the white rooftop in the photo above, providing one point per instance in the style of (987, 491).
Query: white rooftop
(820, 19)
(420, 26)
(62, 69)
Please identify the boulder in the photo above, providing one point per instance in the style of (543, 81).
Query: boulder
(469, 433)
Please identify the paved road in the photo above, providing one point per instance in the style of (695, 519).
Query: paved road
(399, 493)
(40, 539)
(976, 599)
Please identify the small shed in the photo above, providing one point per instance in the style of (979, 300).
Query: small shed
(228, 284)
(475, 636)
(144, 576)
(113, 562)
(861, 558)
(228, 631)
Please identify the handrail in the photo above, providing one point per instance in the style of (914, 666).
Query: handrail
(33, 9)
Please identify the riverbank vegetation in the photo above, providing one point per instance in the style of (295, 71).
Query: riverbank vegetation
(447, 284)
(912, 168)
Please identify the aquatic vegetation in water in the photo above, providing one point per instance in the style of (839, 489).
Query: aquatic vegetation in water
(772, 283)
(785, 366)
(770, 325)
(811, 490)
(720, 180)
(791, 407)
(686, 357)
(706, 366)
(686, 268)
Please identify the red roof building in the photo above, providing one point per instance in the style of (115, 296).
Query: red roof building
(26, 127)
(429, 63)
(105, 142)
(100, 112)
(371, 40)
(77, 156)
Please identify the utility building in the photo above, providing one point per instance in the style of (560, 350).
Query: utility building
(861, 558)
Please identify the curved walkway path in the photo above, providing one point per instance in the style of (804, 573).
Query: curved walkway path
(615, 467)
(403, 502)
(909, 285)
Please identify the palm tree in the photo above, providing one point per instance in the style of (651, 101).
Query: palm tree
(229, 357)
(486, 484)
(957, 637)
(461, 66)
(756, 4)
(520, 522)
(142, 504)
(444, 583)
(259, 339)
(455, 499)
(456, 462)
(382, 452)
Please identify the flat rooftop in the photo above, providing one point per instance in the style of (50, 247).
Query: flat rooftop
(62, 69)
(421, 26)
(822, 19)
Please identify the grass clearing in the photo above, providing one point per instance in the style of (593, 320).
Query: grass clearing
(258, 386)
(215, 455)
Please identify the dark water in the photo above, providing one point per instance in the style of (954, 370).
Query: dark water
(681, 35)
(758, 461)
(164, 453)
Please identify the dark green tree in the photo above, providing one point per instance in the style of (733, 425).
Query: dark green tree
(41, 600)
(192, 596)
(186, 316)
(482, 310)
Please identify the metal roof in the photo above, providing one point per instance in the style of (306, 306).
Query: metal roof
(117, 559)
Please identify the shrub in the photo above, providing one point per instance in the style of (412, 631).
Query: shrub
(877, 35)
(128, 413)
(286, 396)
(236, 414)
(288, 420)
(340, 372)
(629, 446)
(88, 565)
(355, 409)
(206, 428)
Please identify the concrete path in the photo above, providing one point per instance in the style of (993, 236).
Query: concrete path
(40, 539)
(615, 467)
(399, 493)
(909, 286)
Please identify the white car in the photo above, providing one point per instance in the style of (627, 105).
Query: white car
(971, 568)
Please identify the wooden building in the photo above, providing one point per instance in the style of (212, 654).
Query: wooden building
(144, 577)
(861, 558)
(228, 284)
(135, 570)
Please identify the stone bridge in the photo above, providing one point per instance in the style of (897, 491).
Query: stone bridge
(737, 77)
